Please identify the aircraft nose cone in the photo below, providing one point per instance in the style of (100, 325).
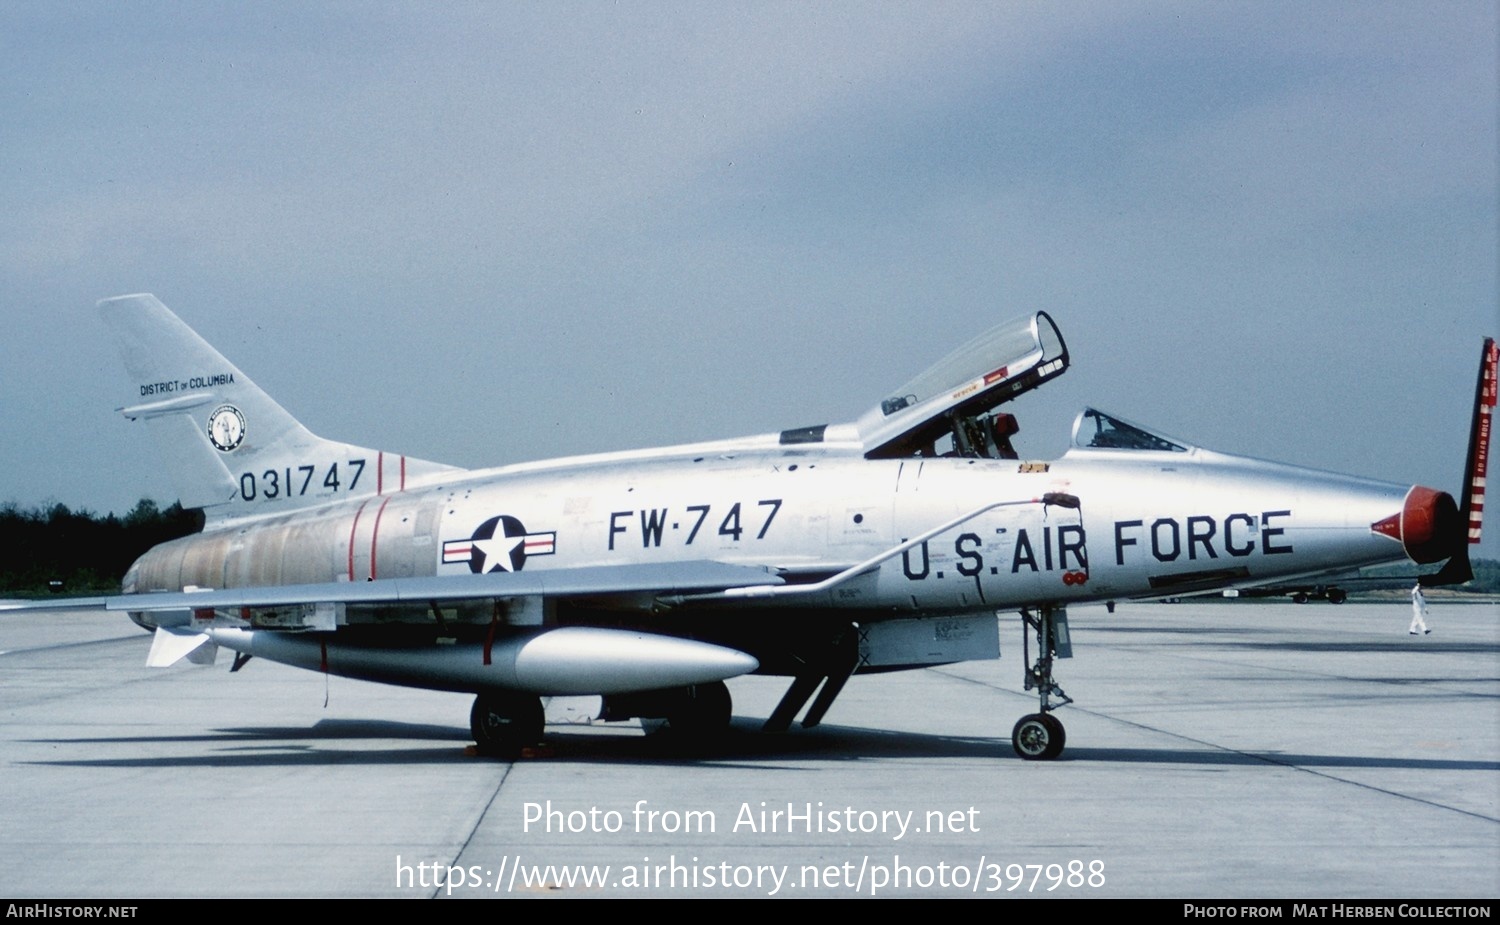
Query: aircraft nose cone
(1428, 525)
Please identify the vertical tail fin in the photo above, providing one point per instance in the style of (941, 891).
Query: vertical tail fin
(1471, 510)
(228, 446)
(1475, 467)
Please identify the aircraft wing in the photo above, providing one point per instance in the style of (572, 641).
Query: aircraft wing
(593, 581)
(1334, 586)
(58, 605)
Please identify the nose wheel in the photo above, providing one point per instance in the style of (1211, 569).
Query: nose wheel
(1038, 737)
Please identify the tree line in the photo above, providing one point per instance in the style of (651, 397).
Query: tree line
(56, 549)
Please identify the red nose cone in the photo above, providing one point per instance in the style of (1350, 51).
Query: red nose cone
(1428, 525)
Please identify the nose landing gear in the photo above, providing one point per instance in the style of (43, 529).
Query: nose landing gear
(1040, 736)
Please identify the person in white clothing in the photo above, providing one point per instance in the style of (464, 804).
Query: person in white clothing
(1418, 611)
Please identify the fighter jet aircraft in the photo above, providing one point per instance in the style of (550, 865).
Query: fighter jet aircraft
(649, 577)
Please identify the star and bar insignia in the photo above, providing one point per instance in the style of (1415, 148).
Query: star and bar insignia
(500, 544)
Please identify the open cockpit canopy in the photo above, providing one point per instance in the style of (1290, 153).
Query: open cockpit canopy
(946, 411)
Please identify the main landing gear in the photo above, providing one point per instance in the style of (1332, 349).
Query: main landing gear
(703, 710)
(1040, 736)
(504, 722)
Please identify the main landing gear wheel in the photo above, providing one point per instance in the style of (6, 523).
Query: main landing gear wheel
(703, 710)
(504, 722)
(1038, 737)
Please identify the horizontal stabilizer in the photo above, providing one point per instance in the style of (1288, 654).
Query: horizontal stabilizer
(170, 646)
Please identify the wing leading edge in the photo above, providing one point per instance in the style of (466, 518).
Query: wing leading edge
(588, 581)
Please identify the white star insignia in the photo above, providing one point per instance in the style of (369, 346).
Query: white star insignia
(497, 551)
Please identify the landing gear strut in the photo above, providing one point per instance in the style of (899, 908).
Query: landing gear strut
(830, 665)
(504, 722)
(1040, 736)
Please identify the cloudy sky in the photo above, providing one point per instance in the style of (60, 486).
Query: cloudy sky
(486, 233)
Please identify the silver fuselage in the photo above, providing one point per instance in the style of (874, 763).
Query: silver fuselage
(1149, 523)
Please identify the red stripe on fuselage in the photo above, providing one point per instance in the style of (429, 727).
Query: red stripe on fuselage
(380, 473)
(353, 529)
(375, 536)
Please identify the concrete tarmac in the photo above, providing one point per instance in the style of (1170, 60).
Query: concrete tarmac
(1217, 750)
